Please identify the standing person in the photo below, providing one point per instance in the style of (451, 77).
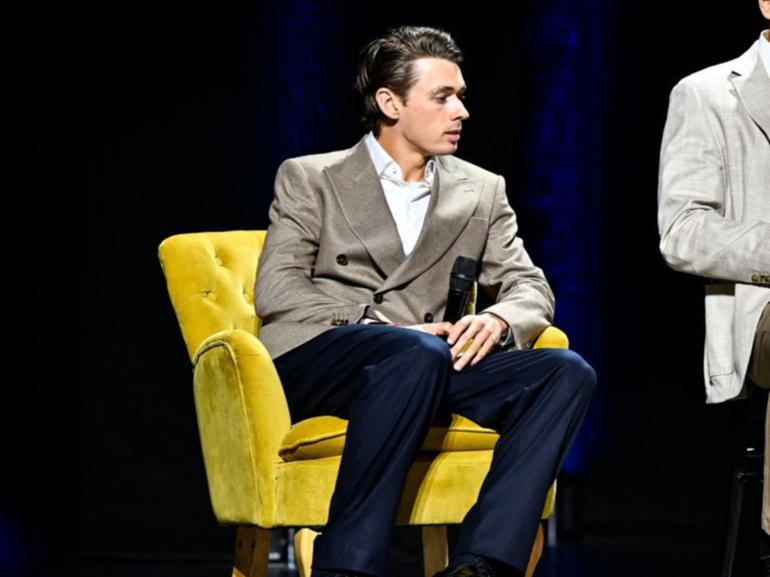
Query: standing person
(714, 220)
(351, 287)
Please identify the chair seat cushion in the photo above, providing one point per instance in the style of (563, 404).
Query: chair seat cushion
(320, 437)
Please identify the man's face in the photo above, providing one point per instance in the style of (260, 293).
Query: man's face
(432, 116)
(764, 7)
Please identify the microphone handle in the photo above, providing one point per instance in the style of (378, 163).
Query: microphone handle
(457, 302)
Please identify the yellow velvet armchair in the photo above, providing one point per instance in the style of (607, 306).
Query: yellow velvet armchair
(266, 471)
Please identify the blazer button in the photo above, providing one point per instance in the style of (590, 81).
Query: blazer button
(378, 298)
(428, 318)
(342, 259)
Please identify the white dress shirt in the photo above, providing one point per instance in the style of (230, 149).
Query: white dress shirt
(408, 203)
(764, 50)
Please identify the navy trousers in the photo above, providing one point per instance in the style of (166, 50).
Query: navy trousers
(392, 383)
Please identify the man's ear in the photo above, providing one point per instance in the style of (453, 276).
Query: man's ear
(389, 102)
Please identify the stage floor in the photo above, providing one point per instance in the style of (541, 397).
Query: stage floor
(649, 554)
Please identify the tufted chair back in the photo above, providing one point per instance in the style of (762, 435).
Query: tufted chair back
(210, 278)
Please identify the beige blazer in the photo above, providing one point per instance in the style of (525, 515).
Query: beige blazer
(332, 248)
(714, 206)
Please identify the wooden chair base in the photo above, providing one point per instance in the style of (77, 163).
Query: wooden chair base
(537, 551)
(435, 549)
(303, 550)
(252, 550)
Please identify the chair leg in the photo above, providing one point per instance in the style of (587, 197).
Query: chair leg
(537, 551)
(435, 549)
(252, 550)
(303, 550)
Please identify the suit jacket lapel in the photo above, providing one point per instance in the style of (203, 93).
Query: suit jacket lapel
(752, 83)
(453, 200)
(358, 190)
(357, 187)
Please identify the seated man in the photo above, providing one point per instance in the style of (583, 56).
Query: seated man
(714, 221)
(352, 284)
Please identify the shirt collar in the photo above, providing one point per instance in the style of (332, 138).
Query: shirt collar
(764, 50)
(388, 168)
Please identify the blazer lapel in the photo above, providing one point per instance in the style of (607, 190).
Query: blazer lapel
(357, 187)
(358, 190)
(752, 83)
(454, 198)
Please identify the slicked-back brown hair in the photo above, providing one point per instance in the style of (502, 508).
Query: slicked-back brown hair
(388, 62)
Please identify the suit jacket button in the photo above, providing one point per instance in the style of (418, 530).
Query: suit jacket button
(378, 298)
(428, 318)
(342, 259)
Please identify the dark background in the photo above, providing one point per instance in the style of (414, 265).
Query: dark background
(161, 118)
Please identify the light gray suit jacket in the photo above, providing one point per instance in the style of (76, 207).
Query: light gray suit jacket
(332, 248)
(714, 206)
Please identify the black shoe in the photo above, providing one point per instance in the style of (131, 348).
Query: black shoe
(475, 567)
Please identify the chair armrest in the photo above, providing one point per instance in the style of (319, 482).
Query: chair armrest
(242, 418)
(552, 338)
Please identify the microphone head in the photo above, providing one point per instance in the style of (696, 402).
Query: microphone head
(463, 273)
(465, 266)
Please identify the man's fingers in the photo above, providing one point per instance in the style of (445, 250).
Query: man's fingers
(467, 335)
(462, 340)
(486, 347)
(441, 328)
(445, 327)
(478, 341)
(470, 334)
(459, 328)
(485, 339)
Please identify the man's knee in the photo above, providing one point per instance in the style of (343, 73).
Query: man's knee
(578, 377)
(427, 348)
(418, 366)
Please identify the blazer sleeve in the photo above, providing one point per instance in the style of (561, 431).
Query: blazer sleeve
(523, 297)
(695, 235)
(284, 289)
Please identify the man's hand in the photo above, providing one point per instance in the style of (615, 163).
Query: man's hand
(442, 328)
(483, 331)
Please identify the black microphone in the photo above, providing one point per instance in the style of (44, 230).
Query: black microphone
(460, 285)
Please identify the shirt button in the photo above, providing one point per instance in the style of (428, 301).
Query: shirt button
(428, 318)
(378, 298)
(342, 259)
